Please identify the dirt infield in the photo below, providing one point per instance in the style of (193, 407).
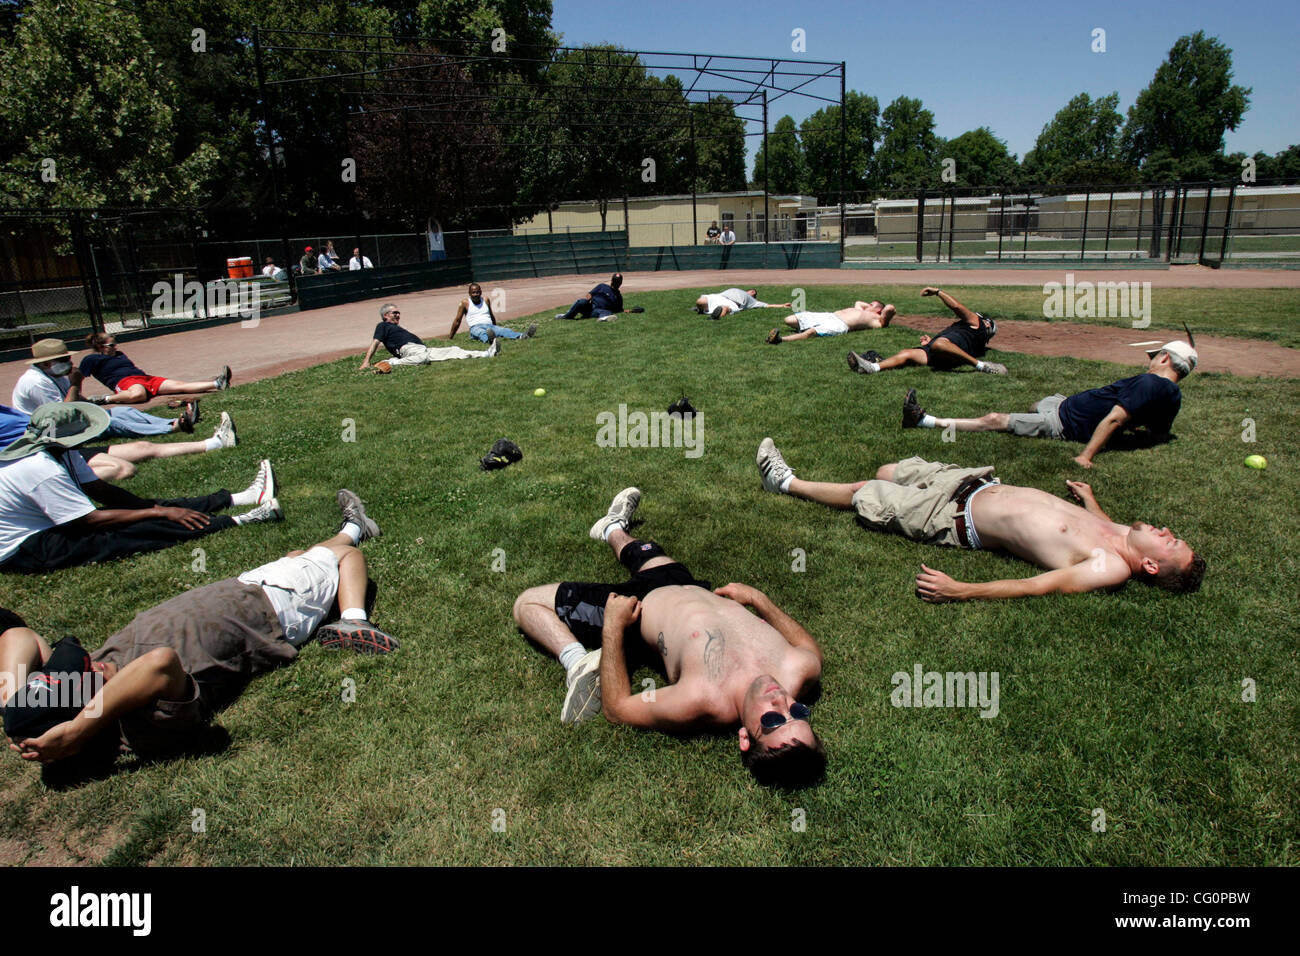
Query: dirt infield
(289, 342)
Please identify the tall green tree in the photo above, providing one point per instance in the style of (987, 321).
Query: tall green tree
(982, 159)
(1178, 122)
(820, 135)
(1081, 144)
(88, 113)
(908, 154)
(719, 145)
(781, 164)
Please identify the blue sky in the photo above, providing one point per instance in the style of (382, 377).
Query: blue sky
(1009, 67)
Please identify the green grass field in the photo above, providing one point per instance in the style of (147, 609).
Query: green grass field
(1130, 702)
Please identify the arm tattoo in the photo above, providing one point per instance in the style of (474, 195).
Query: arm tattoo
(663, 651)
(715, 655)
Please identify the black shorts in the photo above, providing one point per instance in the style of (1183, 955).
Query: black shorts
(974, 342)
(581, 605)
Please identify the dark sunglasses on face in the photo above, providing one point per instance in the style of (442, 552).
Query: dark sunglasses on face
(772, 719)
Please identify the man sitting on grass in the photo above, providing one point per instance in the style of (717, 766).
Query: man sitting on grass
(862, 315)
(604, 301)
(1082, 548)
(154, 685)
(733, 300)
(726, 666)
(48, 520)
(962, 343)
(1151, 400)
(483, 327)
(407, 349)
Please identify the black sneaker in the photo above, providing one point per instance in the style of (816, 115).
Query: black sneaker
(716, 313)
(871, 355)
(858, 363)
(912, 410)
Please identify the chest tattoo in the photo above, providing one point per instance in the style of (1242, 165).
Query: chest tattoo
(715, 655)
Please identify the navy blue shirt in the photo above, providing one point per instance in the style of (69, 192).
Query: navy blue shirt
(393, 337)
(109, 369)
(607, 298)
(1150, 400)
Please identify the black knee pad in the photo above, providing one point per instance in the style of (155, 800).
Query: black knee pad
(637, 553)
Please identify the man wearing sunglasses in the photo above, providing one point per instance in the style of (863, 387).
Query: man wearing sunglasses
(728, 669)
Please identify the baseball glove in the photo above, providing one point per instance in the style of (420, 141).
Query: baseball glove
(637, 309)
(382, 368)
(774, 337)
(502, 453)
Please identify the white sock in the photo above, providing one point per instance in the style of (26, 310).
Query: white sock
(875, 367)
(246, 497)
(785, 485)
(928, 421)
(570, 656)
(979, 366)
(211, 444)
(352, 530)
(353, 614)
(610, 529)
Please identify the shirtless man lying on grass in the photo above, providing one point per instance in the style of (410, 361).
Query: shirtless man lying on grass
(862, 315)
(726, 667)
(1081, 547)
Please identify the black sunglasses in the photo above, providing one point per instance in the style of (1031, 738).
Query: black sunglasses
(772, 719)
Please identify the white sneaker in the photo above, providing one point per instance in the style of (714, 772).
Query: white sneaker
(620, 513)
(772, 467)
(226, 432)
(494, 349)
(583, 697)
(994, 368)
(269, 510)
(264, 483)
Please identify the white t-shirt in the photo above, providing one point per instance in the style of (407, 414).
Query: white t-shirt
(728, 236)
(480, 314)
(357, 264)
(34, 389)
(269, 271)
(37, 493)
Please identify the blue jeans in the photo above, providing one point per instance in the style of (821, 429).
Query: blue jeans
(480, 332)
(586, 309)
(133, 423)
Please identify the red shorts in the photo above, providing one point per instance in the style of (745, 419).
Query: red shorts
(151, 383)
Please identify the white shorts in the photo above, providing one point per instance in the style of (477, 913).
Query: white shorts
(301, 589)
(823, 323)
(713, 301)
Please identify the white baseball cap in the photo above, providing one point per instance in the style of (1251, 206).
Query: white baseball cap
(1181, 355)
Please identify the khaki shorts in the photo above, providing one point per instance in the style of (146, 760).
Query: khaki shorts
(1043, 422)
(918, 503)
